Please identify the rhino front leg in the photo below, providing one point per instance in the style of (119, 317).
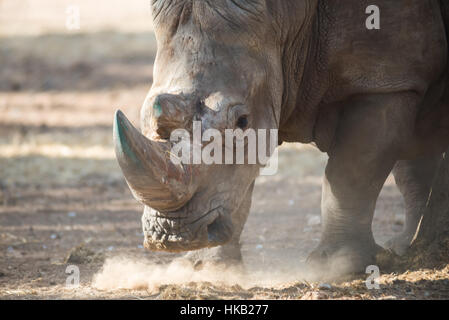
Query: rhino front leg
(229, 254)
(365, 148)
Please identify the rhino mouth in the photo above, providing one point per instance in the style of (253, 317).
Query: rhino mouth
(184, 231)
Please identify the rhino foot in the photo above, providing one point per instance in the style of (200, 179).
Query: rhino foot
(224, 257)
(400, 243)
(336, 260)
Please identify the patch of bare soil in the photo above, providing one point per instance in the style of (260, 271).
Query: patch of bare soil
(64, 202)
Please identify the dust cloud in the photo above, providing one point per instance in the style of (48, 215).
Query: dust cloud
(130, 273)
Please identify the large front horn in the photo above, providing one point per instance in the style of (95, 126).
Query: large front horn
(152, 177)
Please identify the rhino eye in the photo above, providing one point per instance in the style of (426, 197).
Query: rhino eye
(242, 122)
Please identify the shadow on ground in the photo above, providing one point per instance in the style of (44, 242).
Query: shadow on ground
(91, 61)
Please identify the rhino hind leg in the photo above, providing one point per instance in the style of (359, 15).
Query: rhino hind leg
(414, 180)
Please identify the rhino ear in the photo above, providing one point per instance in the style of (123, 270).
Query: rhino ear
(152, 177)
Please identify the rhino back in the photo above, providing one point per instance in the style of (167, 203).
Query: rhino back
(408, 52)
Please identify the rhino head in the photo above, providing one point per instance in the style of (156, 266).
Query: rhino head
(218, 62)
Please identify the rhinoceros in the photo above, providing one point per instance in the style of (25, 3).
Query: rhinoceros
(376, 100)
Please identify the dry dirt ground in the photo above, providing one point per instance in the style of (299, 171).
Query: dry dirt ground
(63, 200)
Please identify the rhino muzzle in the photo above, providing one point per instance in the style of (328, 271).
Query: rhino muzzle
(176, 217)
(184, 231)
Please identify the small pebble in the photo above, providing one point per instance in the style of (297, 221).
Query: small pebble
(315, 295)
(388, 298)
(324, 286)
(87, 240)
(313, 220)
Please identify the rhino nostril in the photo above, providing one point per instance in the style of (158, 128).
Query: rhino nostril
(242, 122)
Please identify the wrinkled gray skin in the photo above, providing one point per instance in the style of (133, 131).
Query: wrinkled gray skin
(375, 101)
